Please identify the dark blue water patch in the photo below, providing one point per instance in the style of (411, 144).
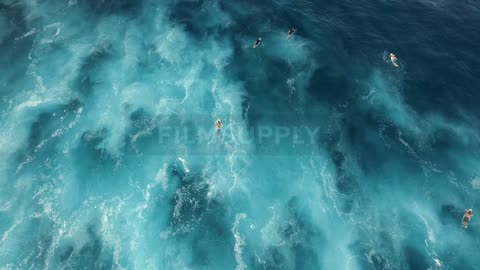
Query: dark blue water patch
(94, 166)
(189, 204)
(212, 242)
(331, 86)
(426, 95)
(186, 198)
(442, 64)
(345, 182)
(109, 7)
(263, 76)
(264, 79)
(215, 222)
(306, 257)
(176, 172)
(142, 135)
(87, 80)
(415, 259)
(436, 45)
(373, 142)
(50, 121)
(195, 219)
(304, 242)
(64, 253)
(146, 59)
(447, 39)
(248, 16)
(158, 212)
(366, 147)
(192, 15)
(94, 254)
(39, 131)
(377, 261)
(442, 141)
(352, 128)
(338, 159)
(14, 51)
(274, 259)
(139, 119)
(253, 17)
(450, 213)
(40, 141)
(15, 16)
(374, 250)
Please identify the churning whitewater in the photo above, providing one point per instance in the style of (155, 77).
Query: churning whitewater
(350, 143)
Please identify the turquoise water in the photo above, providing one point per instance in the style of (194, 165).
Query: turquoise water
(329, 157)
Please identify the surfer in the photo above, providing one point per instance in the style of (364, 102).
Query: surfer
(257, 43)
(393, 59)
(218, 125)
(466, 217)
(291, 31)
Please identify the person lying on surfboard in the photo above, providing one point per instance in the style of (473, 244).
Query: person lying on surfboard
(218, 125)
(393, 59)
(466, 217)
(291, 31)
(257, 43)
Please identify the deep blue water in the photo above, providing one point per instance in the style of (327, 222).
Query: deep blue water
(329, 156)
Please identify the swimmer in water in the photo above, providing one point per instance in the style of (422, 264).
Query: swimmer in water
(466, 217)
(257, 43)
(291, 31)
(393, 59)
(218, 125)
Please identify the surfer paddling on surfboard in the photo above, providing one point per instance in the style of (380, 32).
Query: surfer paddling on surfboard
(257, 43)
(218, 125)
(466, 217)
(291, 32)
(393, 59)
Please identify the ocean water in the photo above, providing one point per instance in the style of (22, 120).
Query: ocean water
(329, 156)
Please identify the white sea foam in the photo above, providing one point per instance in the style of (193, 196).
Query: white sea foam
(239, 242)
(8, 232)
(476, 183)
(29, 33)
